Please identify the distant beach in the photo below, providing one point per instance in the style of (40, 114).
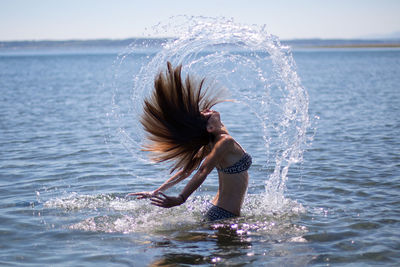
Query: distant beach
(156, 42)
(360, 46)
(342, 43)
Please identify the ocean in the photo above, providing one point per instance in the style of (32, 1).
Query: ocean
(70, 152)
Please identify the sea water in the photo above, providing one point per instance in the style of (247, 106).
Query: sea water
(322, 126)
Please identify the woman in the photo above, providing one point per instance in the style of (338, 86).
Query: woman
(182, 128)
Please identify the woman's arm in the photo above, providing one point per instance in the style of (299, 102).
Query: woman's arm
(197, 179)
(206, 167)
(178, 177)
(165, 201)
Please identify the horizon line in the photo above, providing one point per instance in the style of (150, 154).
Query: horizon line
(172, 37)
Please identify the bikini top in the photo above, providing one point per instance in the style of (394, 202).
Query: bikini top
(240, 166)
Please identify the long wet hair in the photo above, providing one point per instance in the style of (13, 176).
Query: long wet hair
(176, 130)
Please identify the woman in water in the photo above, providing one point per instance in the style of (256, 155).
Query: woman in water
(182, 128)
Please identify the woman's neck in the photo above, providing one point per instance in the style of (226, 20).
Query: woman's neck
(220, 133)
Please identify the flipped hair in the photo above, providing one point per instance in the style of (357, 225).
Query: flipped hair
(176, 130)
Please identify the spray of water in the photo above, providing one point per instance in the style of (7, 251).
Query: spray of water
(250, 63)
(260, 75)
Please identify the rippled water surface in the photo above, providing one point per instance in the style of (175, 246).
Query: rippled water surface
(64, 173)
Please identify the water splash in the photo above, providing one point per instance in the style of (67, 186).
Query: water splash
(257, 70)
(115, 214)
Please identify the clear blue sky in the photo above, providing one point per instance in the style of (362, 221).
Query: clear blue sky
(91, 19)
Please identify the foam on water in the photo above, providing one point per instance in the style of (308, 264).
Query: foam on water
(115, 214)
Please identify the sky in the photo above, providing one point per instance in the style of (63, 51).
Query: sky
(119, 19)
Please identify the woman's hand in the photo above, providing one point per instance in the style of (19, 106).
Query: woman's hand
(165, 201)
(142, 195)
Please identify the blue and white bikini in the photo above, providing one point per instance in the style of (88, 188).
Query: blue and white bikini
(217, 213)
(240, 166)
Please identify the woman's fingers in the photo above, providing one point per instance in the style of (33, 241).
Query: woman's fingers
(164, 195)
(159, 203)
(158, 197)
(157, 200)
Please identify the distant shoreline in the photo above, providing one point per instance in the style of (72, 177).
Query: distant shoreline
(394, 45)
(156, 42)
(342, 43)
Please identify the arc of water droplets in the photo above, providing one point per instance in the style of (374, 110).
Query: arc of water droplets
(252, 65)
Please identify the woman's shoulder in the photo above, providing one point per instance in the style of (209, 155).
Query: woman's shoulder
(226, 142)
(226, 139)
